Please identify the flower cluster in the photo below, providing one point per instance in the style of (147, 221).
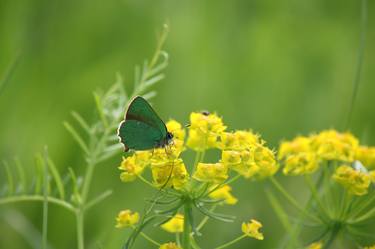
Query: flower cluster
(304, 155)
(203, 186)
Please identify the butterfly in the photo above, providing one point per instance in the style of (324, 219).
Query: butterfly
(142, 129)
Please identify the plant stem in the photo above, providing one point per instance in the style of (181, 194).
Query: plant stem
(315, 195)
(22, 198)
(292, 201)
(80, 229)
(187, 226)
(231, 242)
(45, 203)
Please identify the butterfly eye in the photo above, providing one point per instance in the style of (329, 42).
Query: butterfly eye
(169, 135)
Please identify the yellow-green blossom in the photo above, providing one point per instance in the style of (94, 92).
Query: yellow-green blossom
(170, 245)
(366, 155)
(204, 131)
(251, 229)
(211, 172)
(175, 224)
(332, 145)
(134, 165)
(258, 162)
(355, 181)
(224, 193)
(172, 174)
(300, 163)
(369, 247)
(238, 140)
(298, 145)
(265, 162)
(315, 245)
(126, 218)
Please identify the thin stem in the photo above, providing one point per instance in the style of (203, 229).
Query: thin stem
(23, 198)
(45, 202)
(292, 201)
(145, 181)
(187, 226)
(146, 237)
(231, 242)
(205, 219)
(87, 180)
(315, 195)
(361, 52)
(196, 161)
(80, 230)
(98, 199)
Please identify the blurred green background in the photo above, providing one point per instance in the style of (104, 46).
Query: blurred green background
(280, 68)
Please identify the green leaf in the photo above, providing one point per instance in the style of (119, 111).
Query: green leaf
(10, 178)
(77, 137)
(21, 175)
(81, 121)
(56, 176)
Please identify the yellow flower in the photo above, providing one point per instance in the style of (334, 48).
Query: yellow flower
(134, 165)
(204, 130)
(332, 145)
(315, 245)
(299, 144)
(251, 229)
(224, 193)
(176, 129)
(126, 218)
(238, 140)
(355, 181)
(211, 172)
(369, 247)
(175, 224)
(372, 177)
(264, 162)
(174, 172)
(366, 155)
(170, 245)
(301, 163)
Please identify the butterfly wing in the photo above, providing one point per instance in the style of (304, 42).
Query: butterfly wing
(142, 128)
(138, 135)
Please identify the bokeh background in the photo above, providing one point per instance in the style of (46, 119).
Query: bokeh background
(281, 68)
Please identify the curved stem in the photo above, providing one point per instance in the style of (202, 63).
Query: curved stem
(23, 198)
(231, 242)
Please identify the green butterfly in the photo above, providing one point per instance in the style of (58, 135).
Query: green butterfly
(142, 129)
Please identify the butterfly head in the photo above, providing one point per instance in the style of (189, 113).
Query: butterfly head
(169, 137)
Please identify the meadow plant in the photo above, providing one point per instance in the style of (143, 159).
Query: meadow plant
(338, 171)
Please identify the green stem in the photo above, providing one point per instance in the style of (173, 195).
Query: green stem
(146, 237)
(231, 242)
(186, 243)
(87, 180)
(23, 198)
(335, 231)
(292, 201)
(205, 219)
(45, 203)
(80, 229)
(315, 195)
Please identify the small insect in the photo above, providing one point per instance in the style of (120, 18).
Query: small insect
(142, 129)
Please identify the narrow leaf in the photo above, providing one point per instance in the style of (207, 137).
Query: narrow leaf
(77, 137)
(21, 175)
(81, 121)
(56, 176)
(10, 178)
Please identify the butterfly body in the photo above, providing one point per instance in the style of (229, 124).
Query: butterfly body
(142, 129)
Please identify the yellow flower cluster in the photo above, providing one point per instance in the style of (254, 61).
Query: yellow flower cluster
(355, 181)
(211, 172)
(332, 145)
(303, 155)
(205, 128)
(369, 247)
(175, 224)
(251, 229)
(223, 193)
(245, 153)
(126, 218)
(170, 245)
(165, 164)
